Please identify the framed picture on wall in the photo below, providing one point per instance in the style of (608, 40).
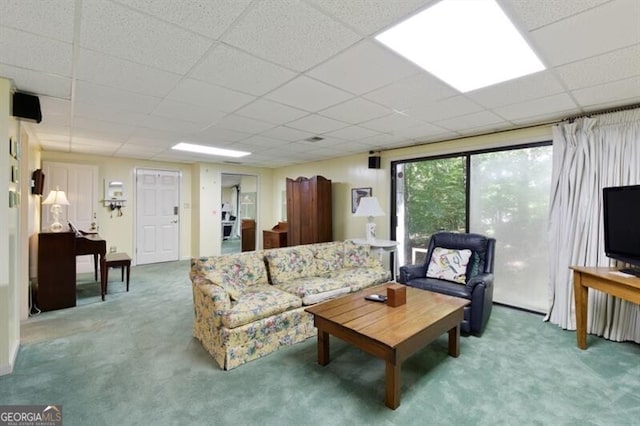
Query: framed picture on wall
(13, 148)
(357, 194)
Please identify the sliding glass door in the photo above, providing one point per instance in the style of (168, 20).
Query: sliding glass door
(503, 194)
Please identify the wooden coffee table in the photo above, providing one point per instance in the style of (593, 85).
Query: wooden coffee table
(392, 334)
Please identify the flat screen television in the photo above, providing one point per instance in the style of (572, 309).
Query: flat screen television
(622, 225)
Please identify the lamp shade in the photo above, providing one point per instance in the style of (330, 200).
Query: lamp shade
(56, 196)
(369, 207)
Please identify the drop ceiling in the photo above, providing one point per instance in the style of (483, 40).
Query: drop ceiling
(131, 78)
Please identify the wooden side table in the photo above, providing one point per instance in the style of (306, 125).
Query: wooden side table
(114, 260)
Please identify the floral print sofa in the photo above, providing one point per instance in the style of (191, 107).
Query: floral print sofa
(249, 304)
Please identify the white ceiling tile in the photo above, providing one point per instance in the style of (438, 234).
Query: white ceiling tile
(308, 94)
(59, 135)
(169, 124)
(55, 145)
(206, 95)
(415, 90)
(356, 111)
(243, 124)
(115, 72)
(271, 112)
(622, 92)
(230, 67)
(187, 112)
(109, 97)
(108, 145)
(588, 34)
(217, 134)
(385, 139)
(290, 33)
(421, 131)
(364, 67)
(81, 148)
(287, 134)
(119, 31)
(316, 124)
(154, 135)
(264, 142)
(392, 122)
(444, 108)
(476, 120)
(369, 16)
(353, 133)
(84, 125)
(39, 83)
(538, 13)
(612, 66)
(142, 150)
(48, 18)
(133, 53)
(207, 17)
(160, 144)
(549, 105)
(43, 54)
(518, 90)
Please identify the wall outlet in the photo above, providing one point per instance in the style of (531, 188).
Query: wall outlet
(112, 249)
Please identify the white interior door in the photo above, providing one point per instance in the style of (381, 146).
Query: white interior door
(80, 184)
(157, 216)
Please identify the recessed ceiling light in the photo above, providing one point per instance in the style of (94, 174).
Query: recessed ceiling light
(210, 150)
(468, 44)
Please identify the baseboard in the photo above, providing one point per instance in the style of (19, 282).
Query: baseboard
(8, 368)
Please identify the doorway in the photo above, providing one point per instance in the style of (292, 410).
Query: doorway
(157, 216)
(239, 212)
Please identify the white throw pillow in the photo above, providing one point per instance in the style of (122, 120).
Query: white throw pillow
(449, 264)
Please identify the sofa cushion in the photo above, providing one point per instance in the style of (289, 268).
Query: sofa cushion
(290, 263)
(328, 256)
(449, 264)
(441, 286)
(359, 278)
(315, 289)
(257, 302)
(236, 272)
(356, 254)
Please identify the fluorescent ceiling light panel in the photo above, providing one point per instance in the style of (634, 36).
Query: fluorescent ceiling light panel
(468, 44)
(210, 150)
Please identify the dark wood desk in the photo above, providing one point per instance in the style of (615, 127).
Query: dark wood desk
(248, 235)
(603, 279)
(276, 237)
(57, 251)
(92, 244)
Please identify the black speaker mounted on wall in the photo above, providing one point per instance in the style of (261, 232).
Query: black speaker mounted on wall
(37, 182)
(26, 107)
(374, 162)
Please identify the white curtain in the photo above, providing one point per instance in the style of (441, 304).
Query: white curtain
(588, 155)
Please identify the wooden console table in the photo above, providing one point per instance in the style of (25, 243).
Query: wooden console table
(608, 280)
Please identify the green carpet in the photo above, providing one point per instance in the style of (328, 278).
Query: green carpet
(132, 361)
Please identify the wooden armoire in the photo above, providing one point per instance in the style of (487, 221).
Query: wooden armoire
(309, 212)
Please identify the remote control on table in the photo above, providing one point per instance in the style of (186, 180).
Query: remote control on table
(376, 297)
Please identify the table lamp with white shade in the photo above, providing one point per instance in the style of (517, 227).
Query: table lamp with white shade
(370, 208)
(56, 199)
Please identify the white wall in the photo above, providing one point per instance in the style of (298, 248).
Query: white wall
(11, 242)
(119, 230)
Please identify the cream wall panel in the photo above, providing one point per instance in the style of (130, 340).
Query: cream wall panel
(119, 230)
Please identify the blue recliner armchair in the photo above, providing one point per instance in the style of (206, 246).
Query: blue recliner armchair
(479, 277)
